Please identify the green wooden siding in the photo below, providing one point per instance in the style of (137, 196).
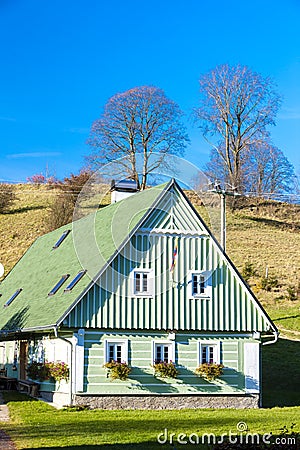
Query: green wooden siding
(110, 303)
(142, 380)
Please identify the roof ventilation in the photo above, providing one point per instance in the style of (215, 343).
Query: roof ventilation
(61, 239)
(75, 280)
(11, 299)
(59, 284)
(123, 189)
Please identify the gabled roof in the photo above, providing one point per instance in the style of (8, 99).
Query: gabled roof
(41, 267)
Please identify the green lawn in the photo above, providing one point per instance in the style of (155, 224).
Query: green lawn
(35, 424)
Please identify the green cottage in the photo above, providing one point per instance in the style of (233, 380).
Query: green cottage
(142, 281)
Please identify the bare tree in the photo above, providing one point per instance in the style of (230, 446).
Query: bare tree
(237, 106)
(62, 208)
(267, 170)
(140, 121)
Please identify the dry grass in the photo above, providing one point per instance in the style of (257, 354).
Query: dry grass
(24, 222)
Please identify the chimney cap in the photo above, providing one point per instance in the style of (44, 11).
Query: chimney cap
(124, 185)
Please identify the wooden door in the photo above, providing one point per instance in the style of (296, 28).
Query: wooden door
(23, 359)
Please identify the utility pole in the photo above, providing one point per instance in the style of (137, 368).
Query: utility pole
(223, 193)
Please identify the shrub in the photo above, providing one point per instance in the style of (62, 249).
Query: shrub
(58, 370)
(209, 371)
(164, 369)
(248, 271)
(61, 212)
(38, 371)
(291, 293)
(37, 179)
(62, 208)
(7, 196)
(268, 283)
(44, 371)
(117, 370)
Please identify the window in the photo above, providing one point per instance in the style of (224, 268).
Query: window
(11, 299)
(59, 284)
(163, 352)
(142, 283)
(63, 236)
(201, 284)
(198, 287)
(209, 352)
(75, 280)
(116, 351)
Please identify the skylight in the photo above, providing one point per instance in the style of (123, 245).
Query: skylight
(11, 299)
(75, 280)
(59, 284)
(60, 240)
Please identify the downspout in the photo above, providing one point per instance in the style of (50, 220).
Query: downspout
(276, 335)
(71, 361)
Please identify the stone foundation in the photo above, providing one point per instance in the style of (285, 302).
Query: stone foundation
(167, 402)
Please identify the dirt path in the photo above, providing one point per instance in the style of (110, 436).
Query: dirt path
(5, 441)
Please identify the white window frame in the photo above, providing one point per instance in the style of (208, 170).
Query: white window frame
(216, 345)
(207, 284)
(124, 349)
(149, 292)
(171, 346)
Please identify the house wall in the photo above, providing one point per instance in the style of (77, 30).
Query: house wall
(230, 307)
(9, 350)
(237, 387)
(140, 357)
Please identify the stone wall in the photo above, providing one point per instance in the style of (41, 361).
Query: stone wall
(167, 402)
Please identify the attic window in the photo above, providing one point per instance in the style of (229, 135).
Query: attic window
(59, 284)
(11, 299)
(198, 284)
(75, 280)
(60, 240)
(142, 282)
(201, 285)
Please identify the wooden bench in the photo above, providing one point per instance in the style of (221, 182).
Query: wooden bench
(29, 387)
(8, 383)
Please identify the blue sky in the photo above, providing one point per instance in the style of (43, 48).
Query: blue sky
(61, 60)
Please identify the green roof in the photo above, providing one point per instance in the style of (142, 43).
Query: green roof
(91, 245)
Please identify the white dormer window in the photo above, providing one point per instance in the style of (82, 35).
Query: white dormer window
(200, 284)
(142, 283)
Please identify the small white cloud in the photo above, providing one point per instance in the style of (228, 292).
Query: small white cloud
(33, 155)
